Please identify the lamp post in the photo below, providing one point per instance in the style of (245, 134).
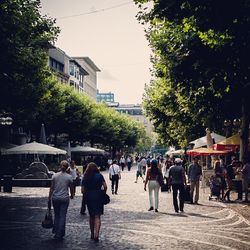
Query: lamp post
(6, 119)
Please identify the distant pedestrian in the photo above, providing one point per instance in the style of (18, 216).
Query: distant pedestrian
(194, 175)
(143, 163)
(109, 162)
(229, 176)
(139, 172)
(72, 171)
(238, 179)
(114, 176)
(93, 186)
(153, 185)
(59, 194)
(220, 173)
(122, 162)
(177, 179)
(246, 177)
(129, 162)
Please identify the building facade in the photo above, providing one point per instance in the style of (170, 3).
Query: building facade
(135, 112)
(78, 72)
(90, 80)
(105, 97)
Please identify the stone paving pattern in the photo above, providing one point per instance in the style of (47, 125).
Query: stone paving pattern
(126, 223)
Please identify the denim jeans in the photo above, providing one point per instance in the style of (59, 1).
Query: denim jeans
(60, 210)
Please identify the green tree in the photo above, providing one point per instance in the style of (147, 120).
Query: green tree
(25, 38)
(200, 63)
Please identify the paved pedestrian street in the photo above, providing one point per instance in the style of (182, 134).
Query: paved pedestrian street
(126, 223)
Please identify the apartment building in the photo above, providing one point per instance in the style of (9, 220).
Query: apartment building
(90, 80)
(78, 72)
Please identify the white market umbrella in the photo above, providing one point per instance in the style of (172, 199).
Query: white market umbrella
(87, 150)
(201, 142)
(34, 148)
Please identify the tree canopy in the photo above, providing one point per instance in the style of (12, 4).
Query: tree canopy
(201, 69)
(31, 92)
(25, 38)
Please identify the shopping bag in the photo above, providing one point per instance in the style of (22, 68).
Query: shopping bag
(48, 219)
(105, 198)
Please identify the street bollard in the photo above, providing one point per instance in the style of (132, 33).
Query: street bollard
(7, 183)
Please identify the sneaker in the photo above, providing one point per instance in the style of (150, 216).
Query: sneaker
(156, 210)
(182, 211)
(150, 209)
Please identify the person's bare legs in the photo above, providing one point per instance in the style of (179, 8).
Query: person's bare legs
(97, 226)
(92, 226)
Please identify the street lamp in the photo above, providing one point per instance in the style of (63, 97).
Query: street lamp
(6, 119)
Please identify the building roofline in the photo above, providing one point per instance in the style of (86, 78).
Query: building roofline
(89, 61)
(77, 63)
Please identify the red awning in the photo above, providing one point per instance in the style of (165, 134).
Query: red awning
(228, 147)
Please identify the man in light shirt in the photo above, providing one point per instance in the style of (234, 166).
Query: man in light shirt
(114, 176)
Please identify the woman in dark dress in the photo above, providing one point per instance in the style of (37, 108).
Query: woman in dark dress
(93, 186)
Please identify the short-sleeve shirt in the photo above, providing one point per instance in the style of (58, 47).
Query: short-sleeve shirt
(114, 169)
(62, 182)
(93, 183)
(176, 173)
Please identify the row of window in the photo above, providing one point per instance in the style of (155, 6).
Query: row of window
(130, 111)
(56, 65)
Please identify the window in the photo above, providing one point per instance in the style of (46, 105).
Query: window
(71, 69)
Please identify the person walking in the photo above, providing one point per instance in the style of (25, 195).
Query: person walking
(93, 185)
(129, 162)
(152, 175)
(122, 162)
(246, 177)
(194, 174)
(229, 176)
(72, 171)
(59, 194)
(238, 180)
(114, 176)
(177, 180)
(139, 172)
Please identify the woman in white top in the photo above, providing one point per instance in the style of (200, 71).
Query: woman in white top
(59, 194)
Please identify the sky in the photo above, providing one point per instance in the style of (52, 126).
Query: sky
(108, 32)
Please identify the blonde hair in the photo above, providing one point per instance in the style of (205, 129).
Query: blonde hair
(64, 165)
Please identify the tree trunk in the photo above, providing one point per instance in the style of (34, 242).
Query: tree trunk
(244, 133)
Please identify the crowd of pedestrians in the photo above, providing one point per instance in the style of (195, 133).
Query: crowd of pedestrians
(182, 180)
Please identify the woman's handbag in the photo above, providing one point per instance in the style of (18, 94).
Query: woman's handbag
(48, 220)
(160, 180)
(105, 198)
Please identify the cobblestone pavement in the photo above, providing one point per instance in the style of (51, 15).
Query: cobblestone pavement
(126, 223)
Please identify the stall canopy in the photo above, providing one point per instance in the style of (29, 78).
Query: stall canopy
(176, 152)
(83, 150)
(205, 151)
(34, 148)
(231, 144)
(201, 142)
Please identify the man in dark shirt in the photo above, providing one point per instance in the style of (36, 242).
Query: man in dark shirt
(194, 174)
(177, 180)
